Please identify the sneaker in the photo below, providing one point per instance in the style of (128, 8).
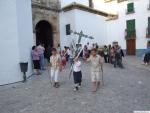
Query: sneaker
(57, 85)
(54, 85)
(79, 85)
(76, 89)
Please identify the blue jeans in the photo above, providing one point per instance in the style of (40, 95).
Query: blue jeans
(71, 61)
(42, 64)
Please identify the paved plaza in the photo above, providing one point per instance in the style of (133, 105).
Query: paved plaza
(124, 91)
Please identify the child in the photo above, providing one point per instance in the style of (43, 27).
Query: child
(55, 63)
(77, 74)
(63, 59)
(96, 62)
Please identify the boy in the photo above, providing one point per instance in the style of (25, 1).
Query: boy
(77, 74)
(55, 62)
(96, 62)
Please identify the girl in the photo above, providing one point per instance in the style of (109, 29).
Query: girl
(55, 67)
(96, 62)
(63, 59)
(77, 74)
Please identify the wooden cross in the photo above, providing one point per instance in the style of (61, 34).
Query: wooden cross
(81, 34)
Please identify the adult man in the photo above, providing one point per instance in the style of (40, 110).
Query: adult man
(41, 50)
(147, 54)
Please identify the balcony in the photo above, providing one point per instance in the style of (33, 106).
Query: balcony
(148, 32)
(130, 34)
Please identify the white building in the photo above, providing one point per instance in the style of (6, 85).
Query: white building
(105, 21)
(129, 27)
(16, 39)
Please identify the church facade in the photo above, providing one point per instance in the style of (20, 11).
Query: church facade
(25, 23)
(45, 16)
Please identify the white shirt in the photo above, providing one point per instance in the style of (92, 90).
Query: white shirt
(89, 47)
(77, 66)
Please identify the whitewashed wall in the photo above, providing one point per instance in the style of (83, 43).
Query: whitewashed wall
(25, 32)
(16, 37)
(116, 28)
(91, 24)
(66, 18)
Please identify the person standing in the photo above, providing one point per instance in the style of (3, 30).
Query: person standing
(85, 52)
(109, 57)
(105, 51)
(41, 51)
(36, 60)
(55, 64)
(147, 55)
(118, 57)
(63, 59)
(77, 74)
(89, 49)
(112, 55)
(59, 49)
(96, 63)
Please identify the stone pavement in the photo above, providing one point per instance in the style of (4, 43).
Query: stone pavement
(124, 91)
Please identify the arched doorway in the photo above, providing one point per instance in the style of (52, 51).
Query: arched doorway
(44, 33)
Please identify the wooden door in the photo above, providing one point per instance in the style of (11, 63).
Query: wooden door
(131, 46)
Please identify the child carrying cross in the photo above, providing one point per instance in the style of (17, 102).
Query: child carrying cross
(77, 74)
(96, 63)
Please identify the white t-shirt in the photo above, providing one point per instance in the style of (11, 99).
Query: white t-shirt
(77, 66)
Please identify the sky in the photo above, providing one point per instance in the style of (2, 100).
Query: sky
(107, 7)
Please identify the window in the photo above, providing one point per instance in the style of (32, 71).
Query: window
(148, 25)
(68, 29)
(91, 3)
(149, 22)
(130, 8)
(131, 32)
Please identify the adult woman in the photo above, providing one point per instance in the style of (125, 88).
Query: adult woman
(36, 60)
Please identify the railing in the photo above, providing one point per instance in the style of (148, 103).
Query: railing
(130, 34)
(148, 32)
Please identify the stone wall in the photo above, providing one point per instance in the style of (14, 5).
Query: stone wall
(47, 10)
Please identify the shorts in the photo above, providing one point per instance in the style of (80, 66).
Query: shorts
(77, 77)
(95, 76)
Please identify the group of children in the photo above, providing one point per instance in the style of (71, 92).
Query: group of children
(95, 60)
